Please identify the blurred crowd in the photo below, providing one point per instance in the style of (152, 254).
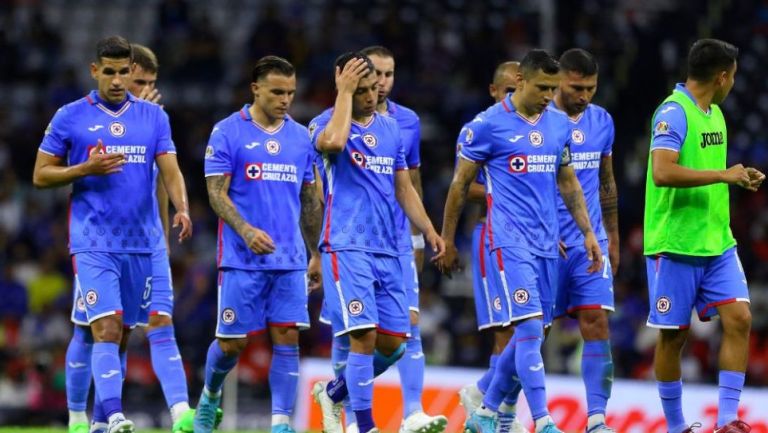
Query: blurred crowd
(445, 51)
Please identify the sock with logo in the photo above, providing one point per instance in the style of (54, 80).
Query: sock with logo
(108, 376)
(730, 384)
(339, 354)
(411, 368)
(166, 361)
(671, 395)
(284, 378)
(597, 373)
(217, 365)
(530, 365)
(77, 371)
(504, 378)
(485, 380)
(360, 385)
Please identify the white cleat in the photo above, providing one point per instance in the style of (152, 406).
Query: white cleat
(352, 428)
(471, 398)
(419, 422)
(508, 424)
(331, 411)
(120, 425)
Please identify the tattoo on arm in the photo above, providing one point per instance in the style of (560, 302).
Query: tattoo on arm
(573, 197)
(609, 196)
(218, 196)
(311, 216)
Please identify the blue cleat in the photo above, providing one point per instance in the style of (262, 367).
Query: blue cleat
(205, 413)
(550, 428)
(282, 428)
(480, 424)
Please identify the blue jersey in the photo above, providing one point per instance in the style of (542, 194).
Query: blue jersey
(410, 135)
(521, 159)
(112, 213)
(591, 139)
(267, 170)
(670, 124)
(360, 205)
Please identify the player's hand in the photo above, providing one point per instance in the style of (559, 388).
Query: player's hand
(594, 253)
(151, 95)
(437, 244)
(614, 256)
(449, 261)
(756, 178)
(100, 162)
(348, 78)
(737, 175)
(314, 273)
(258, 241)
(182, 219)
(561, 247)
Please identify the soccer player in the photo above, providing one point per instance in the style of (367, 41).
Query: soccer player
(490, 303)
(589, 296)
(260, 177)
(690, 251)
(166, 359)
(522, 145)
(366, 177)
(106, 144)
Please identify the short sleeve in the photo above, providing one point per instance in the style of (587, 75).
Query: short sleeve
(475, 146)
(400, 163)
(411, 136)
(218, 160)
(459, 144)
(611, 135)
(57, 134)
(309, 170)
(317, 125)
(669, 127)
(164, 140)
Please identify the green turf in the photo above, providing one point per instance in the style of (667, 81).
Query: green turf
(64, 430)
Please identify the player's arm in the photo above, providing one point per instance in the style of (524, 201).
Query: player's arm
(51, 171)
(311, 221)
(162, 206)
(218, 195)
(463, 176)
(666, 171)
(319, 186)
(610, 210)
(573, 197)
(334, 137)
(476, 193)
(173, 181)
(411, 203)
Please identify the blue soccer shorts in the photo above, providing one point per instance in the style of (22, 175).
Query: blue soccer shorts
(410, 280)
(113, 283)
(678, 283)
(491, 305)
(162, 284)
(528, 281)
(250, 301)
(580, 290)
(365, 290)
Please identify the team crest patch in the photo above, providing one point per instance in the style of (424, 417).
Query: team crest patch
(228, 315)
(358, 158)
(355, 307)
(370, 140)
(209, 152)
(469, 136)
(312, 129)
(663, 305)
(48, 129)
(80, 304)
(273, 146)
(253, 171)
(661, 128)
(577, 136)
(521, 296)
(117, 129)
(497, 303)
(518, 164)
(91, 297)
(536, 138)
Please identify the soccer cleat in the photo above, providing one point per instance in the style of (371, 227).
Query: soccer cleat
(80, 427)
(693, 426)
(480, 424)
(508, 423)
(206, 413)
(331, 411)
(352, 428)
(282, 428)
(419, 422)
(120, 425)
(736, 426)
(98, 427)
(185, 423)
(471, 398)
(550, 428)
(601, 428)
(373, 430)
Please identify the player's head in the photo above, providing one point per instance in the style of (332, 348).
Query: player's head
(504, 80)
(712, 61)
(273, 86)
(578, 80)
(537, 79)
(144, 72)
(112, 68)
(366, 97)
(384, 63)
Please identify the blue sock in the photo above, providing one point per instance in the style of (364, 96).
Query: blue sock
(98, 411)
(360, 384)
(166, 361)
(597, 372)
(108, 376)
(731, 383)
(411, 368)
(502, 381)
(381, 362)
(337, 388)
(284, 378)
(485, 380)
(77, 369)
(511, 398)
(339, 354)
(671, 395)
(217, 365)
(530, 365)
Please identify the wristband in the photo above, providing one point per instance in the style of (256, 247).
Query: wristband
(417, 241)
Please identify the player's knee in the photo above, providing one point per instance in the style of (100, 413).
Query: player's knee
(414, 317)
(362, 341)
(388, 345)
(737, 320)
(233, 346)
(284, 335)
(501, 338)
(594, 324)
(108, 329)
(672, 339)
(158, 321)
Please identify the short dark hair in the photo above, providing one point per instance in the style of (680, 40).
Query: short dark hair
(145, 58)
(377, 50)
(707, 57)
(580, 61)
(502, 68)
(538, 60)
(272, 65)
(113, 47)
(345, 58)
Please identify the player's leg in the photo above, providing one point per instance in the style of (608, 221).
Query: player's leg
(77, 369)
(411, 365)
(339, 355)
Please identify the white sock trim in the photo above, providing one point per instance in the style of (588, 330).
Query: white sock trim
(278, 418)
(178, 409)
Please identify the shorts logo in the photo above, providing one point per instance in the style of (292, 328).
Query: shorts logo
(577, 136)
(80, 304)
(370, 140)
(228, 315)
(497, 303)
(518, 164)
(521, 296)
(358, 158)
(273, 146)
(253, 171)
(663, 305)
(535, 138)
(355, 307)
(91, 297)
(117, 129)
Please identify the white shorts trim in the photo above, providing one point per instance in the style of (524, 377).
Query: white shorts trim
(354, 328)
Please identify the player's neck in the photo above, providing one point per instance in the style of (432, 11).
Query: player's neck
(362, 119)
(560, 106)
(262, 119)
(381, 107)
(102, 99)
(522, 109)
(702, 93)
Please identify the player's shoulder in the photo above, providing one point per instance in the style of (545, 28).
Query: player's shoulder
(404, 114)
(296, 130)
(555, 113)
(321, 119)
(75, 107)
(598, 112)
(230, 122)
